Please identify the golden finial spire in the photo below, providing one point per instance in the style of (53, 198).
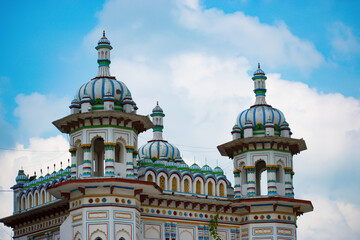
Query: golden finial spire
(258, 65)
(103, 33)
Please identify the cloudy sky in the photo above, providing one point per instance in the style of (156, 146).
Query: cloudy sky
(196, 58)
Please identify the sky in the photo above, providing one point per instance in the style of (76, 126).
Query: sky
(196, 58)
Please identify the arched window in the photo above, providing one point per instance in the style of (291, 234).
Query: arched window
(186, 185)
(43, 196)
(210, 188)
(162, 182)
(221, 190)
(98, 157)
(30, 201)
(261, 178)
(23, 202)
(79, 155)
(119, 153)
(121, 238)
(174, 184)
(279, 174)
(149, 178)
(198, 187)
(98, 238)
(36, 199)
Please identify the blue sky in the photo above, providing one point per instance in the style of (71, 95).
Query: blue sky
(196, 59)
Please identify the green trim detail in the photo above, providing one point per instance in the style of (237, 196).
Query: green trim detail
(103, 126)
(261, 150)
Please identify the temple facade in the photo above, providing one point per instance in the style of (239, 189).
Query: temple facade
(114, 189)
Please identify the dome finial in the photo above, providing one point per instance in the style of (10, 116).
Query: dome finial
(259, 65)
(157, 103)
(103, 33)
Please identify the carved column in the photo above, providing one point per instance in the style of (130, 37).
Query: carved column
(237, 190)
(271, 179)
(87, 164)
(73, 162)
(109, 159)
(288, 182)
(250, 171)
(129, 162)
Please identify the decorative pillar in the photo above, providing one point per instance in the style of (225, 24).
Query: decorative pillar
(129, 161)
(250, 171)
(237, 234)
(201, 232)
(173, 231)
(271, 179)
(109, 159)
(167, 231)
(73, 162)
(288, 182)
(87, 164)
(237, 190)
(206, 232)
(135, 165)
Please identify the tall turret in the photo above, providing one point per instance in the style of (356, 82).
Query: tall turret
(104, 49)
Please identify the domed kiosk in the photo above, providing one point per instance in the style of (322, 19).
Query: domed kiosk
(103, 124)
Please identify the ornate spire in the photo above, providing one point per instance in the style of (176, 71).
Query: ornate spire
(157, 116)
(259, 86)
(104, 49)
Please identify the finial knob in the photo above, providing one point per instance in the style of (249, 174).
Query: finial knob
(258, 65)
(103, 33)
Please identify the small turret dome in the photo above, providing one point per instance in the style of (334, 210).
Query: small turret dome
(195, 168)
(170, 164)
(157, 108)
(206, 169)
(218, 171)
(158, 147)
(21, 177)
(104, 40)
(259, 71)
(183, 166)
(261, 113)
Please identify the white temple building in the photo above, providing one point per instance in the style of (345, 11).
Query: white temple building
(116, 190)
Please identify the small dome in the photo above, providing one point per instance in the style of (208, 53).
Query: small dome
(218, 171)
(47, 177)
(195, 168)
(146, 162)
(259, 71)
(53, 175)
(206, 169)
(157, 108)
(21, 177)
(157, 148)
(170, 164)
(104, 40)
(159, 163)
(183, 166)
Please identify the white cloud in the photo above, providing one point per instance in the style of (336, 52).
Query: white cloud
(274, 45)
(36, 112)
(344, 42)
(177, 26)
(330, 220)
